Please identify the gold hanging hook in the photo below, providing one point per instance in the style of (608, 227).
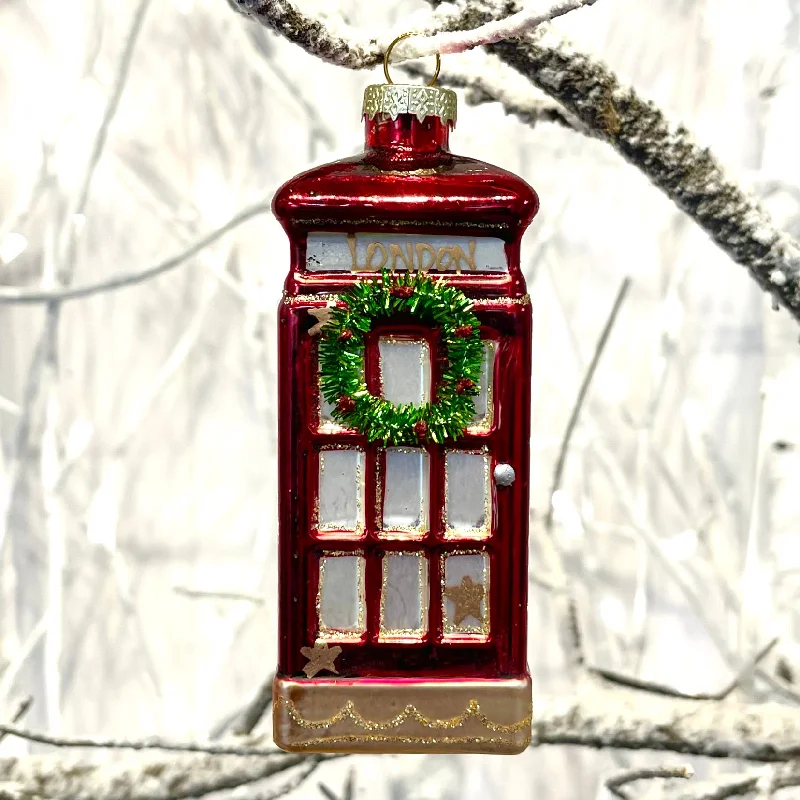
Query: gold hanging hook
(389, 50)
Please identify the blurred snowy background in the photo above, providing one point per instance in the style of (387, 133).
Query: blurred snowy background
(138, 428)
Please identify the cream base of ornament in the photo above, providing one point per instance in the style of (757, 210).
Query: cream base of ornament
(368, 715)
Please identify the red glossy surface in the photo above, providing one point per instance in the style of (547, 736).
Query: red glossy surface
(416, 143)
(453, 195)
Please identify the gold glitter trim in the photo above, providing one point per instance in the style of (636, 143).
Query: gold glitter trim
(485, 530)
(422, 589)
(409, 714)
(308, 299)
(486, 302)
(477, 302)
(383, 225)
(325, 633)
(391, 99)
(481, 630)
(498, 742)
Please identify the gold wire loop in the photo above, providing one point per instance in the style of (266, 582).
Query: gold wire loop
(389, 50)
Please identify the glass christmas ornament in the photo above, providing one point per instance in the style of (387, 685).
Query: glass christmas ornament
(404, 422)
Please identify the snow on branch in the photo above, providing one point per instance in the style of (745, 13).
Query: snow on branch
(486, 79)
(166, 777)
(667, 154)
(662, 150)
(616, 782)
(446, 30)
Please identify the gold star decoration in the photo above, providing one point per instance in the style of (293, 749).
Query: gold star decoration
(320, 657)
(467, 597)
(322, 316)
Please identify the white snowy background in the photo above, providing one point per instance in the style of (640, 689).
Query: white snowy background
(140, 474)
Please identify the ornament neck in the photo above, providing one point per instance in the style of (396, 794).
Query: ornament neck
(406, 141)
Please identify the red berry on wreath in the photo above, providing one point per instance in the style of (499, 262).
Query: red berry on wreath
(345, 404)
(462, 331)
(463, 385)
(401, 291)
(421, 428)
(345, 335)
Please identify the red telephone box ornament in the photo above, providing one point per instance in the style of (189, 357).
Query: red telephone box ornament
(404, 422)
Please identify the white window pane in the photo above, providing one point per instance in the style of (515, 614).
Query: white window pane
(405, 370)
(405, 503)
(341, 490)
(465, 593)
(341, 594)
(484, 399)
(370, 252)
(404, 599)
(467, 488)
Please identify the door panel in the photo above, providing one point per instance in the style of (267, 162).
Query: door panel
(438, 567)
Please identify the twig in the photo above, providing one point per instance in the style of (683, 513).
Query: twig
(256, 709)
(152, 743)
(214, 595)
(645, 529)
(347, 792)
(582, 393)
(49, 469)
(309, 766)
(67, 258)
(669, 691)
(23, 707)
(14, 295)
(615, 783)
(327, 791)
(770, 781)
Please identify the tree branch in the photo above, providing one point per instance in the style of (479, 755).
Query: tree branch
(151, 743)
(151, 778)
(14, 295)
(448, 29)
(772, 780)
(663, 151)
(558, 472)
(667, 154)
(489, 80)
(615, 783)
(668, 691)
(256, 709)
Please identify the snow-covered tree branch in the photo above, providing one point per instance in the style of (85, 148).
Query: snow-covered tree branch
(664, 151)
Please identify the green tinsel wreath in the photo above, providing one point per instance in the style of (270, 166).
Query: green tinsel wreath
(341, 353)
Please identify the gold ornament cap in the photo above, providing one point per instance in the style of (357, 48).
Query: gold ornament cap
(393, 99)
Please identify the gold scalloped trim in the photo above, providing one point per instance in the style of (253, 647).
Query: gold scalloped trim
(410, 712)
